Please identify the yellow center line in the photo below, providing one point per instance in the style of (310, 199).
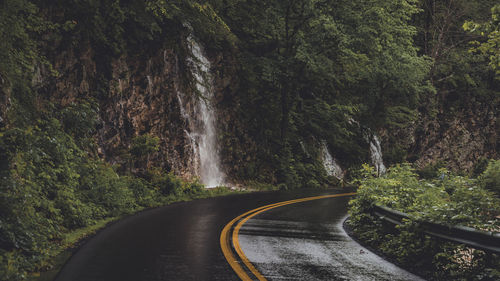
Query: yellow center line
(226, 247)
(224, 238)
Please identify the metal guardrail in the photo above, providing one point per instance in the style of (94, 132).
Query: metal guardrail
(483, 240)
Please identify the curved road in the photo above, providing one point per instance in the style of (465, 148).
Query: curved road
(181, 242)
(306, 241)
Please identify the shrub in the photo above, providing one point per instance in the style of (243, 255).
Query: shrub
(447, 199)
(490, 179)
(50, 187)
(145, 194)
(431, 171)
(79, 120)
(313, 184)
(144, 145)
(193, 187)
(167, 184)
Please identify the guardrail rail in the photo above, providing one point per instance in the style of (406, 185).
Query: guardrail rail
(484, 240)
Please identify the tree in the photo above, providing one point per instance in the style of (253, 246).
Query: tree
(491, 30)
(144, 145)
(344, 57)
(454, 72)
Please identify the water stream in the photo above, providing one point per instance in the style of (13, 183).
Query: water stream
(331, 166)
(201, 119)
(376, 155)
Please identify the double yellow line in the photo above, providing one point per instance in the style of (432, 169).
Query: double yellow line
(225, 242)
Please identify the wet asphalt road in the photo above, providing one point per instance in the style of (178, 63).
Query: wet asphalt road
(181, 241)
(306, 241)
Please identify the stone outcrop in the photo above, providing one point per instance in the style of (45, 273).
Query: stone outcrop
(137, 94)
(462, 140)
(457, 140)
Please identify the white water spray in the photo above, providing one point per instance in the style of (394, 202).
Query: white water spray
(376, 155)
(150, 85)
(331, 166)
(201, 119)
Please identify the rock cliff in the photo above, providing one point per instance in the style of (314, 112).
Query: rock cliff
(137, 93)
(458, 141)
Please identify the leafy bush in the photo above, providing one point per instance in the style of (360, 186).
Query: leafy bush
(144, 193)
(312, 184)
(193, 187)
(480, 166)
(144, 145)
(166, 184)
(490, 179)
(445, 199)
(79, 120)
(431, 171)
(50, 187)
(256, 185)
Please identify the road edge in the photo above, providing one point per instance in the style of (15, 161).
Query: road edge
(348, 230)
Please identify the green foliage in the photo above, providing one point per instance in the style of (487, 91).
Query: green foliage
(144, 145)
(396, 153)
(38, 184)
(80, 120)
(18, 20)
(255, 185)
(163, 8)
(166, 183)
(209, 26)
(49, 187)
(145, 193)
(445, 199)
(313, 184)
(480, 166)
(400, 116)
(308, 67)
(490, 179)
(461, 77)
(432, 170)
(491, 30)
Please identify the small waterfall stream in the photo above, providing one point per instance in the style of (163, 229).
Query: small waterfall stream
(201, 119)
(376, 155)
(331, 166)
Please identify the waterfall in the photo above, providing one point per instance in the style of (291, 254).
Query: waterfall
(182, 109)
(201, 119)
(331, 166)
(376, 155)
(149, 89)
(304, 149)
(37, 78)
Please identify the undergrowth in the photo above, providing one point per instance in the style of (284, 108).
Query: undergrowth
(446, 199)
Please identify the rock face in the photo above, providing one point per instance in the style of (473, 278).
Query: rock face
(137, 94)
(462, 140)
(458, 140)
(142, 100)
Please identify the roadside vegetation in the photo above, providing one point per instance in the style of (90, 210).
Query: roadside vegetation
(54, 192)
(441, 197)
